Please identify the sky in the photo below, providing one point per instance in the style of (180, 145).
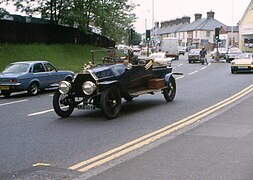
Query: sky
(228, 12)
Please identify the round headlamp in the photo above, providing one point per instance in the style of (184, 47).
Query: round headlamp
(88, 87)
(64, 87)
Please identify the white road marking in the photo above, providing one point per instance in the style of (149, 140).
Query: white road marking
(203, 68)
(180, 65)
(193, 72)
(179, 77)
(14, 102)
(41, 112)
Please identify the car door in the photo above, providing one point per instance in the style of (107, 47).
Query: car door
(139, 77)
(40, 74)
(55, 76)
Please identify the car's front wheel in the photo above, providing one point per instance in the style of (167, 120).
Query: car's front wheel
(110, 102)
(6, 93)
(61, 106)
(33, 89)
(170, 92)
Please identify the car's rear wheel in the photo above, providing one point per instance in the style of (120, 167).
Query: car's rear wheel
(110, 102)
(6, 93)
(61, 107)
(33, 89)
(170, 92)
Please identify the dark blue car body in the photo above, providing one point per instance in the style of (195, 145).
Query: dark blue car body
(104, 85)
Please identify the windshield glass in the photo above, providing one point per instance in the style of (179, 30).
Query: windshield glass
(195, 51)
(16, 68)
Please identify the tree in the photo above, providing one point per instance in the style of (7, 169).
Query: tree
(113, 17)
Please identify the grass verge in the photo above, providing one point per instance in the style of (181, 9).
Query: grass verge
(63, 56)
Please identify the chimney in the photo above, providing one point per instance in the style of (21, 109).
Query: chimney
(178, 21)
(166, 23)
(186, 19)
(197, 16)
(210, 14)
(156, 24)
(172, 22)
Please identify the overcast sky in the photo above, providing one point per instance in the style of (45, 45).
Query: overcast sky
(225, 12)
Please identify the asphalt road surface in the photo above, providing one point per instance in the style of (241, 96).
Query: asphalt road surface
(205, 133)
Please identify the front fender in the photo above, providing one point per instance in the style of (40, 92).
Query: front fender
(167, 78)
(104, 85)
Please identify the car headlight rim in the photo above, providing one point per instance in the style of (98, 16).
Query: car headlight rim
(88, 87)
(64, 87)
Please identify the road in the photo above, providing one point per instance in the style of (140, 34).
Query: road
(35, 143)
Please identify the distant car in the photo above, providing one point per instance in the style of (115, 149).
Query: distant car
(233, 53)
(136, 49)
(222, 53)
(193, 55)
(244, 63)
(161, 58)
(181, 50)
(31, 76)
(145, 51)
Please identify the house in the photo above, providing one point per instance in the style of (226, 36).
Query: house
(200, 32)
(229, 36)
(194, 35)
(246, 30)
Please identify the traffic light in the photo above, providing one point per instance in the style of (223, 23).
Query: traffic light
(217, 34)
(147, 35)
(132, 34)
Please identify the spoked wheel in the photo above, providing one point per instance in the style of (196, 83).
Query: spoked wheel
(170, 92)
(33, 89)
(61, 105)
(110, 102)
(6, 93)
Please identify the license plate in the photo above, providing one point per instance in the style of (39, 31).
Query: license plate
(4, 88)
(86, 106)
(242, 67)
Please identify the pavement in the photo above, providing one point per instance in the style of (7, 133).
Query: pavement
(221, 148)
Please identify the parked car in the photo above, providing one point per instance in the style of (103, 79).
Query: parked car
(161, 58)
(233, 53)
(104, 85)
(31, 76)
(193, 55)
(243, 63)
(222, 53)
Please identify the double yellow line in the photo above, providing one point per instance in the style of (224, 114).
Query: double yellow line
(151, 137)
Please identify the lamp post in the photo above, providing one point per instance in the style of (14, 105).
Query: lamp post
(153, 23)
(232, 28)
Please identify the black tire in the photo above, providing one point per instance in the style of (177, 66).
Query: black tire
(6, 93)
(60, 108)
(33, 89)
(128, 98)
(110, 102)
(170, 92)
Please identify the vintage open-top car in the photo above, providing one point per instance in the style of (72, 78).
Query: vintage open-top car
(104, 85)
